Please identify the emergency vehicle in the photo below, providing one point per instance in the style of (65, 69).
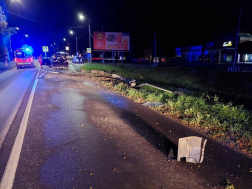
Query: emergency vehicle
(24, 58)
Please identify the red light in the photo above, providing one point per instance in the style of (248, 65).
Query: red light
(15, 59)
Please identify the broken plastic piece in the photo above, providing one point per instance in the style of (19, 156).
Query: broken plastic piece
(192, 149)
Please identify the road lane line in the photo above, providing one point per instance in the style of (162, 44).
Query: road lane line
(10, 170)
(72, 68)
(9, 122)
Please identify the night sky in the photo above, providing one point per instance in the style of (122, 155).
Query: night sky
(177, 23)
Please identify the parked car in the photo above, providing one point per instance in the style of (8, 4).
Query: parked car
(163, 60)
(156, 59)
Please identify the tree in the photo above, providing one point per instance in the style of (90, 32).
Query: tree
(5, 33)
(3, 23)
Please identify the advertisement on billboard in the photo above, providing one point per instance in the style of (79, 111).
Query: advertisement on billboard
(111, 41)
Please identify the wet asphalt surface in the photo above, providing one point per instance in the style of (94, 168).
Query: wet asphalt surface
(80, 135)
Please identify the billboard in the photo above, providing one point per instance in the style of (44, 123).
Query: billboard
(111, 41)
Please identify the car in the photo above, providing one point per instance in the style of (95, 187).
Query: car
(156, 59)
(163, 60)
(24, 58)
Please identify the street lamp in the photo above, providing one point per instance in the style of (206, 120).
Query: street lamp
(81, 17)
(26, 35)
(57, 47)
(10, 37)
(71, 32)
(67, 44)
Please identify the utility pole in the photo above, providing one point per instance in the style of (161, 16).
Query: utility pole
(154, 59)
(237, 40)
(89, 31)
(76, 44)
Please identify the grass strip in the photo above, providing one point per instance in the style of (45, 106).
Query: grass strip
(223, 121)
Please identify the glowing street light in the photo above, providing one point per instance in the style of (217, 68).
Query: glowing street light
(81, 16)
(71, 32)
(17, 28)
(64, 39)
(26, 35)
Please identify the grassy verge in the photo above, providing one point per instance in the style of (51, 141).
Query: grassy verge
(220, 120)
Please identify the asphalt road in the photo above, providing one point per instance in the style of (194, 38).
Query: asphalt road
(80, 135)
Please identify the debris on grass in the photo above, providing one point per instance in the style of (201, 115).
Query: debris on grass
(229, 185)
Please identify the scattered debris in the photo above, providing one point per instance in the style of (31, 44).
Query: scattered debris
(98, 72)
(171, 155)
(185, 90)
(153, 104)
(229, 185)
(124, 157)
(116, 76)
(132, 83)
(192, 148)
(154, 87)
(178, 93)
(82, 170)
(81, 125)
(91, 174)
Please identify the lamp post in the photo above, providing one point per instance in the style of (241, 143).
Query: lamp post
(82, 17)
(10, 37)
(64, 39)
(237, 41)
(71, 32)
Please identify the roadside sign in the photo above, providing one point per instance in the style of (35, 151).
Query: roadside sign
(45, 49)
(89, 50)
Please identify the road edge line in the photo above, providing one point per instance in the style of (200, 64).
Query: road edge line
(10, 170)
(9, 122)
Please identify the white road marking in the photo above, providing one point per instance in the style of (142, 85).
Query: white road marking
(9, 122)
(72, 68)
(42, 74)
(10, 170)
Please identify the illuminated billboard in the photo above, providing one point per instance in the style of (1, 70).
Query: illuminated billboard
(111, 41)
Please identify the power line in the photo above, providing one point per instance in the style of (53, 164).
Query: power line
(23, 17)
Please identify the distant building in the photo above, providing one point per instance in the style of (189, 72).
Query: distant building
(220, 50)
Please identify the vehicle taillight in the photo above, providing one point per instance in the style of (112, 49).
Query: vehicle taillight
(15, 59)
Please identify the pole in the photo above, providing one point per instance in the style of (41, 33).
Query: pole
(155, 44)
(68, 49)
(237, 40)
(10, 39)
(89, 31)
(154, 59)
(76, 44)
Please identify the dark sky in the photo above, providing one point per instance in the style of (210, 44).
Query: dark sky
(177, 23)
